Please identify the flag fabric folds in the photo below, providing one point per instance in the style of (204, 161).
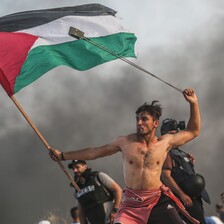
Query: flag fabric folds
(34, 42)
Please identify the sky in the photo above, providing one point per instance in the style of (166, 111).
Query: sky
(180, 42)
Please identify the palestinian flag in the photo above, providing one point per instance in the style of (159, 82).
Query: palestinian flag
(34, 42)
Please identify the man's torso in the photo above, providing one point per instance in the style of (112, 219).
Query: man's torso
(142, 163)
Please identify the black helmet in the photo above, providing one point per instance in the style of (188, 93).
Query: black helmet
(193, 185)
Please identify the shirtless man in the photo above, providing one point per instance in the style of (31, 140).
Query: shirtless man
(145, 198)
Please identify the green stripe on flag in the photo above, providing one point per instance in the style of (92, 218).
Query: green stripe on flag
(79, 55)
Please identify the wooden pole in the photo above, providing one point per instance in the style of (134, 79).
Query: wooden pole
(43, 140)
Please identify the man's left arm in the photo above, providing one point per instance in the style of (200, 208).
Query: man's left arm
(112, 185)
(117, 195)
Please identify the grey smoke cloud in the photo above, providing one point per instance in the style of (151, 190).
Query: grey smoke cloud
(79, 109)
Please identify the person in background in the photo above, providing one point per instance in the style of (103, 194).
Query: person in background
(44, 222)
(220, 207)
(75, 215)
(99, 197)
(179, 175)
(213, 220)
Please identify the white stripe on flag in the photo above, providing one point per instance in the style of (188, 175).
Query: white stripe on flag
(56, 32)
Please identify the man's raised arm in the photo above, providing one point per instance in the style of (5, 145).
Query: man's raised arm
(194, 123)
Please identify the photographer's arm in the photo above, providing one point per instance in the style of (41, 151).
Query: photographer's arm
(168, 180)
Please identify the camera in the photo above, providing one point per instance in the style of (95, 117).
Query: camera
(170, 125)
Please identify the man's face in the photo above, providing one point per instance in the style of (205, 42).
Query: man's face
(79, 169)
(145, 123)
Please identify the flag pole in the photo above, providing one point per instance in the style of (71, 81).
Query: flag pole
(74, 32)
(43, 140)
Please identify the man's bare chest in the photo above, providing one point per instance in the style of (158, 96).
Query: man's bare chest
(144, 156)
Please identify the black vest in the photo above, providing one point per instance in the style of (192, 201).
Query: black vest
(92, 193)
(182, 168)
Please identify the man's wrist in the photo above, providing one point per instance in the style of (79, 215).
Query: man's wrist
(62, 156)
(115, 210)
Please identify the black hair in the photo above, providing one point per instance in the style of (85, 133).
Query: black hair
(219, 206)
(154, 109)
(74, 212)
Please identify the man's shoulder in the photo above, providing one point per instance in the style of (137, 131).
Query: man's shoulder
(105, 179)
(103, 175)
(99, 174)
(126, 136)
(129, 137)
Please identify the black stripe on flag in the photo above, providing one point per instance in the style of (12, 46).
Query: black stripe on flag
(29, 19)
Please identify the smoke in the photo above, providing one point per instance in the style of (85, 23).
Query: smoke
(79, 110)
(74, 109)
(199, 64)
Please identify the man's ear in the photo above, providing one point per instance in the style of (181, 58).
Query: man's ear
(156, 123)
